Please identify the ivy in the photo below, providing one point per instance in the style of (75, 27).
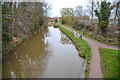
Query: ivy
(103, 17)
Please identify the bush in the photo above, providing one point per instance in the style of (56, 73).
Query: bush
(89, 28)
(63, 21)
(78, 26)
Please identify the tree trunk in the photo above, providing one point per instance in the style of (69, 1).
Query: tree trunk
(92, 13)
(116, 13)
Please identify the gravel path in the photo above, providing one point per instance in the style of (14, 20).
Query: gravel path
(95, 67)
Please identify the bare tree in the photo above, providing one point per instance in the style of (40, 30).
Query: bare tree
(46, 7)
(78, 11)
(116, 12)
(91, 9)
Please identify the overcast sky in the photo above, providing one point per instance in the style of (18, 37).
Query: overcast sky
(57, 5)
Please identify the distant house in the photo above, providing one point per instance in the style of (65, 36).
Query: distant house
(53, 19)
(49, 18)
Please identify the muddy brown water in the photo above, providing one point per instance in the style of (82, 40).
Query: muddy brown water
(48, 54)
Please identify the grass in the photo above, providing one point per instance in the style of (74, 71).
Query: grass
(110, 62)
(80, 32)
(87, 35)
(72, 29)
(81, 45)
(86, 70)
(109, 56)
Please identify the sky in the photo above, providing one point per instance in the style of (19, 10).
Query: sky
(57, 5)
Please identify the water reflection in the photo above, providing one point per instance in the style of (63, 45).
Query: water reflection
(28, 60)
(65, 39)
(45, 55)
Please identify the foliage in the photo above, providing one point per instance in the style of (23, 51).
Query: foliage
(74, 17)
(89, 28)
(7, 22)
(62, 20)
(56, 20)
(67, 15)
(103, 17)
(78, 26)
(21, 19)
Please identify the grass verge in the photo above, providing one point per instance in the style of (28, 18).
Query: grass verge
(110, 63)
(81, 45)
(87, 35)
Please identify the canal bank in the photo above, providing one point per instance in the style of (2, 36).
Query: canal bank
(16, 41)
(48, 54)
(95, 62)
(81, 45)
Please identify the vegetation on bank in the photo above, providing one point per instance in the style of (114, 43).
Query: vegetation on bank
(82, 46)
(102, 29)
(95, 37)
(110, 63)
(109, 59)
(20, 20)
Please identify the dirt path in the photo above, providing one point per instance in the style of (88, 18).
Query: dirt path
(95, 68)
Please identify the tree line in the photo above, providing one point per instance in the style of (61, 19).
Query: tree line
(21, 20)
(78, 18)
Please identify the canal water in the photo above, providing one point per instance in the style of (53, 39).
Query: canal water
(48, 54)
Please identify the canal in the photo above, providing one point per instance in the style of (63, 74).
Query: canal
(48, 54)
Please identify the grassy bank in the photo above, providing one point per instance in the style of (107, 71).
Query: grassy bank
(80, 33)
(71, 28)
(81, 45)
(110, 63)
(87, 35)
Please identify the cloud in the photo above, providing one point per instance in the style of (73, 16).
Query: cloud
(57, 5)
